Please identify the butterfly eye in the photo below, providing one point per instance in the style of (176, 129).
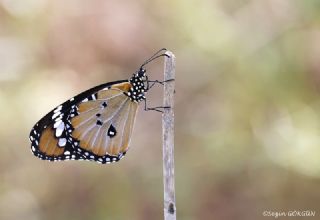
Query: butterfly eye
(139, 74)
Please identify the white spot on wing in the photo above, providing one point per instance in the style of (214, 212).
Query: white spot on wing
(62, 142)
(55, 114)
(56, 124)
(58, 109)
(67, 153)
(59, 129)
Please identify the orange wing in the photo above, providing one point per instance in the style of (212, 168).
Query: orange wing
(95, 125)
(104, 126)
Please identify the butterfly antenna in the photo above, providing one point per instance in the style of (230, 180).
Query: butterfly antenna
(154, 56)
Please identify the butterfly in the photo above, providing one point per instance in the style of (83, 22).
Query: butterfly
(96, 124)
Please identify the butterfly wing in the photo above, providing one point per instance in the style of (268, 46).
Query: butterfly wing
(52, 138)
(102, 128)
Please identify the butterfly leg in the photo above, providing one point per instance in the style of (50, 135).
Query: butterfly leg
(154, 108)
(157, 81)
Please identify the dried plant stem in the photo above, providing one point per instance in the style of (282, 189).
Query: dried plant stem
(168, 139)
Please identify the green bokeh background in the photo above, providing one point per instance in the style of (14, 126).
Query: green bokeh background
(247, 106)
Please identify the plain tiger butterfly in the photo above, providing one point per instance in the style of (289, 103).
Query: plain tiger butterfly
(95, 125)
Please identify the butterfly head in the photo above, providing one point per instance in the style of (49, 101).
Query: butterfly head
(141, 72)
(139, 76)
(139, 80)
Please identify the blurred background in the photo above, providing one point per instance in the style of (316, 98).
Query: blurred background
(247, 106)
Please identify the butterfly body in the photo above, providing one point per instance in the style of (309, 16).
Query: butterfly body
(94, 125)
